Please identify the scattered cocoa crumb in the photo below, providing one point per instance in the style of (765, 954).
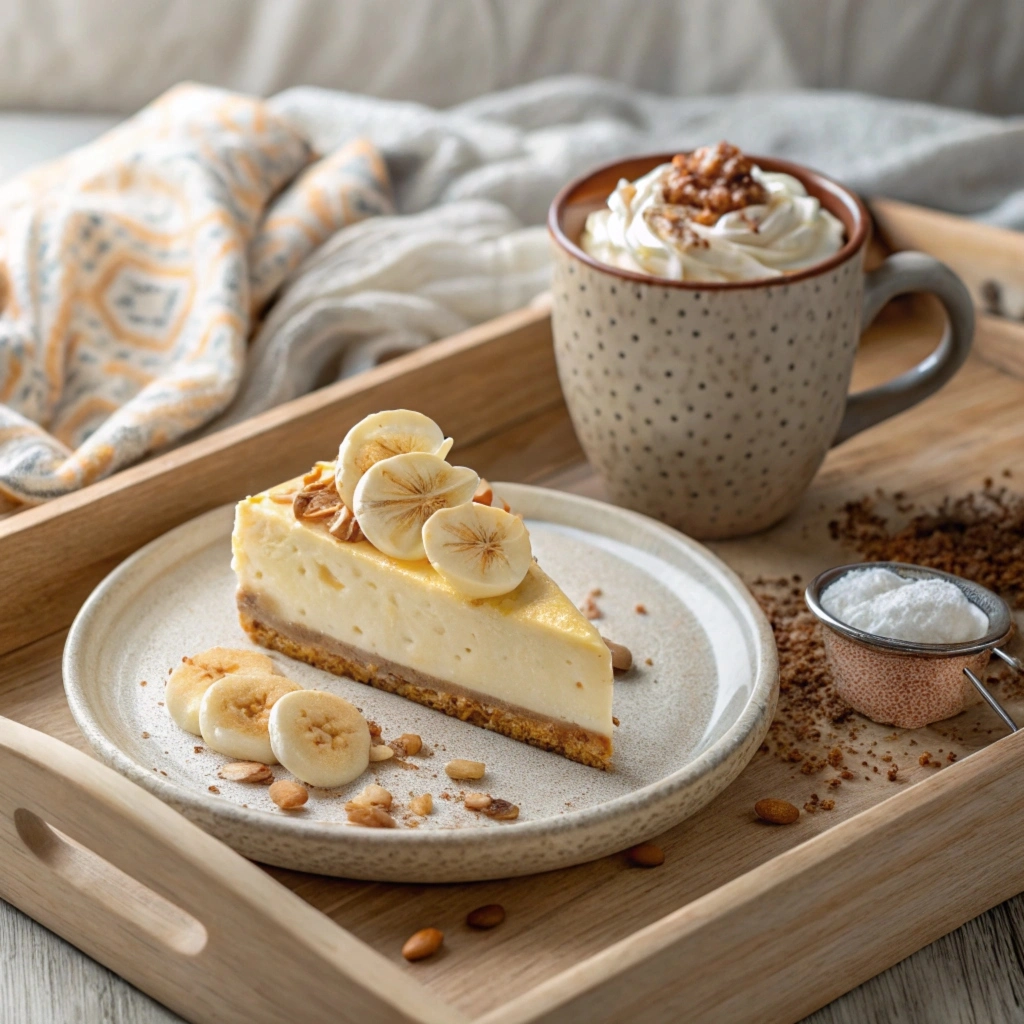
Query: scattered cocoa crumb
(589, 605)
(213, 789)
(648, 661)
(835, 757)
(640, 609)
(893, 772)
(197, 750)
(615, 721)
(145, 735)
(951, 757)
(143, 683)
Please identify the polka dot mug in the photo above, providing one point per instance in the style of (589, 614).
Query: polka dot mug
(711, 406)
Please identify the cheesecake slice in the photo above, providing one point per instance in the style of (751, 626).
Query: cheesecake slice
(526, 664)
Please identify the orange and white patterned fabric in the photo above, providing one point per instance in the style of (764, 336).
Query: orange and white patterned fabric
(132, 269)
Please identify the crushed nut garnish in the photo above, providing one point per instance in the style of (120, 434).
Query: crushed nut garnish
(381, 752)
(422, 805)
(369, 817)
(344, 526)
(463, 769)
(245, 771)
(288, 795)
(489, 916)
(711, 181)
(501, 810)
(426, 942)
(622, 657)
(372, 796)
(407, 745)
(646, 855)
(776, 812)
(477, 801)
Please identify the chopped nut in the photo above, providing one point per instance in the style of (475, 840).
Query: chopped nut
(408, 743)
(370, 817)
(145, 735)
(318, 504)
(477, 801)
(344, 526)
(197, 750)
(245, 771)
(646, 855)
(501, 810)
(489, 916)
(372, 796)
(648, 661)
(213, 789)
(381, 753)
(426, 942)
(622, 658)
(462, 769)
(288, 795)
(484, 494)
(893, 772)
(777, 812)
(828, 805)
(640, 609)
(615, 721)
(422, 805)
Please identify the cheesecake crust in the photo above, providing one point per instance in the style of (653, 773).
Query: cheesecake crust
(342, 659)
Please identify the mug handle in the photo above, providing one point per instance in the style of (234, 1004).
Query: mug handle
(902, 273)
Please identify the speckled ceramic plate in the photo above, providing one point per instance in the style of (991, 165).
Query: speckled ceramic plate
(692, 711)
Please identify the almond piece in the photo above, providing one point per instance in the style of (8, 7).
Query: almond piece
(369, 817)
(422, 805)
(484, 494)
(426, 942)
(477, 801)
(288, 795)
(463, 769)
(501, 810)
(381, 753)
(410, 743)
(372, 796)
(344, 526)
(622, 657)
(777, 812)
(489, 916)
(246, 771)
(646, 855)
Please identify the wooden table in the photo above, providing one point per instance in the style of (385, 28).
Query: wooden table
(974, 975)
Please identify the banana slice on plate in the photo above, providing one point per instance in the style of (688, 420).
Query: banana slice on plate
(481, 550)
(320, 738)
(195, 675)
(234, 715)
(380, 436)
(396, 496)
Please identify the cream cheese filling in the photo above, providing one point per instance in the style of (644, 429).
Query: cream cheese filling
(530, 648)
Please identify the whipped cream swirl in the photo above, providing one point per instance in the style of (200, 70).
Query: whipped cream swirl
(642, 232)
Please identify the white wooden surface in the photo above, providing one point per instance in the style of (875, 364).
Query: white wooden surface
(975, 975)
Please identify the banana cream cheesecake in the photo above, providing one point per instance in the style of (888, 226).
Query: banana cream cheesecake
(393, 567)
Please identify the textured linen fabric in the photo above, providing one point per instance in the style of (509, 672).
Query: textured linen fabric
(130, 269)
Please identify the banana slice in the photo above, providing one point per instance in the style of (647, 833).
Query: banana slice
(481, 550)
(380, 436)
(396, 496)
(195, 675)
(320, 738)
(234, 715)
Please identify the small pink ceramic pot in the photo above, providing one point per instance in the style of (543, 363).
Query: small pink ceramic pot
(897, 682)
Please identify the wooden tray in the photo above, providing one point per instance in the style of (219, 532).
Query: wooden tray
(744, 921)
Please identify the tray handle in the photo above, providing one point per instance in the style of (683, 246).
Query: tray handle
(177, 913)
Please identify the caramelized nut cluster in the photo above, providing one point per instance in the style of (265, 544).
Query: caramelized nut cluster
(711, 181)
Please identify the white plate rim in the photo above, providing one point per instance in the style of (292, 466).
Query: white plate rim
(533, 502)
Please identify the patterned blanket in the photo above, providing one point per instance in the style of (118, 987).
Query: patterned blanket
(132, 269)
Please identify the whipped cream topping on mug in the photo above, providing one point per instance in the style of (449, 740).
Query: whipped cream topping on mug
(712, 216)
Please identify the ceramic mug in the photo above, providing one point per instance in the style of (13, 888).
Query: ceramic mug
(711, 406)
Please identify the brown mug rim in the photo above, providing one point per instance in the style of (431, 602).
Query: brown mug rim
(834, 197)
